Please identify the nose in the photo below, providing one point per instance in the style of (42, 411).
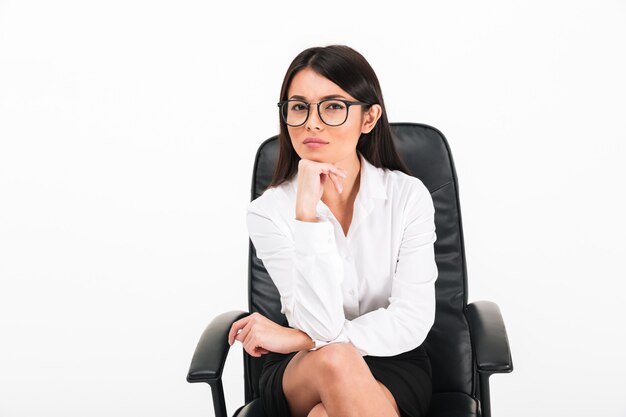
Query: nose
(314, 121)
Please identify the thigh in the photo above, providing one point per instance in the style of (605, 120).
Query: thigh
(300, 393)
(389, 396)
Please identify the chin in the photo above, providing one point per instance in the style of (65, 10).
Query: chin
(317, 158)
(312, 153)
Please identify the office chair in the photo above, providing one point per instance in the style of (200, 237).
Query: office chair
(467, 343)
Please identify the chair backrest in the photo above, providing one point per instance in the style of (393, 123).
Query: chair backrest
(426, 153)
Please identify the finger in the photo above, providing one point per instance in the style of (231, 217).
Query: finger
(337, 182)
(323, 177)
(248, 351)
(339, 171)
(332, 172)
(230, 333)
(233, 331)
(243, 334)
(331, 169)
(306, 164)
(250, 347)
(235, 328)
(254, 345)
(245, 339)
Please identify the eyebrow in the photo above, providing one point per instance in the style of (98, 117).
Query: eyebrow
(297, 97)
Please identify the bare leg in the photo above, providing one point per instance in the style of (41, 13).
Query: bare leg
(320, 411)
(389, 396)
(337, 376)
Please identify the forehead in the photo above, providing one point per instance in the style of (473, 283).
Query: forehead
(313, 86)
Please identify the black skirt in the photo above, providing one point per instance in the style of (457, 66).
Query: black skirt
(408, 376)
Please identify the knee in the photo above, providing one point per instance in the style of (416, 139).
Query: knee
(318, 411)
(338, 358)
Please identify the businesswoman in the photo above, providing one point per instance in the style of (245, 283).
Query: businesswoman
(346, 234)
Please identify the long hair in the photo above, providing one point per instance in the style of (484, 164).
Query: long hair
(349, 70)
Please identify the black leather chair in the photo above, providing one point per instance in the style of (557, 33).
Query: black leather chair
(466, 344)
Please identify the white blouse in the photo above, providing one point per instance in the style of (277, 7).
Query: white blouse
(375, 287)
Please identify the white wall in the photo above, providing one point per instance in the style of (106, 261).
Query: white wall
(127, 136)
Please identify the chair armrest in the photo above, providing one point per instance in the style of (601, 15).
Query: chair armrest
(489, 338)
(210, 355)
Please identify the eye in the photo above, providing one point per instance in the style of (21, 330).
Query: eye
(334, 105)
(298, 106)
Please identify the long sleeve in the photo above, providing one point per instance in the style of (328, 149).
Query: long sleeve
(306, 270)
(405, 323)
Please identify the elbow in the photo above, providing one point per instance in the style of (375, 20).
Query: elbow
(323, 330)
(333, 332)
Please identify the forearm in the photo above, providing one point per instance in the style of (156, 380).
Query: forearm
(313, 302)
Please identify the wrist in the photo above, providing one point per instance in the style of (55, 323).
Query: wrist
(307, 342)
(306, 215)
(310, 219)
(306, 212)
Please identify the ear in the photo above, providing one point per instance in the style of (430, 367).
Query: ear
(371, 117)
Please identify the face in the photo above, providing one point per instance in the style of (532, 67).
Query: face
(339, 141)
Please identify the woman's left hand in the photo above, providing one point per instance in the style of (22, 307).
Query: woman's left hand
(260, 335)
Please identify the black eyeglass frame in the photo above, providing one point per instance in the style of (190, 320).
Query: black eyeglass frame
(348, 104)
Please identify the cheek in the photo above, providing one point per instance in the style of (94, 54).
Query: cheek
(294, 133)
(295, 137)
(351, 133)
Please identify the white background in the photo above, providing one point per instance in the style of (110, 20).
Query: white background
(128, 131)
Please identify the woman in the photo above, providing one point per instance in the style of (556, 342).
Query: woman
(347, 236)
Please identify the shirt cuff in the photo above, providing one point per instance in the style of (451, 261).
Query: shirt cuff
(314, 237)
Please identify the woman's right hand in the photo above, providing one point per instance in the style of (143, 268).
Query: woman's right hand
(312, 176)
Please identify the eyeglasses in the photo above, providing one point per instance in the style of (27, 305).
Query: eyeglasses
(333, 112)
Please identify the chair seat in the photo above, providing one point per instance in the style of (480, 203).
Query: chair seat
(445, 404)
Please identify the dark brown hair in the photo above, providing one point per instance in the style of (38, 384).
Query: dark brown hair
(349, 70)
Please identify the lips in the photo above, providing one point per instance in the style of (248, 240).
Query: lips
(314, 140)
